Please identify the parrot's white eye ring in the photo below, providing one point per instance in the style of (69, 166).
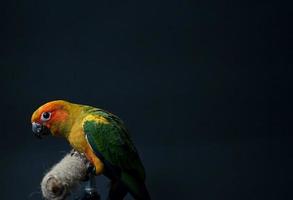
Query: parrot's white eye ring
(45, 116)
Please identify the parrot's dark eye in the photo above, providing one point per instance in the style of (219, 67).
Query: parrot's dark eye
(45, 116)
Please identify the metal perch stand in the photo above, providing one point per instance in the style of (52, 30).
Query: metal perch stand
(66, 176)
(90, 191)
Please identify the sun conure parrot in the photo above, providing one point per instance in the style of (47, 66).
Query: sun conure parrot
(102, 137)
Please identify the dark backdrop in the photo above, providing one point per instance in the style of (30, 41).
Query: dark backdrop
(204, 87)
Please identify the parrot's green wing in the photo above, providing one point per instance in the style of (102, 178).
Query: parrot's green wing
(112, 144)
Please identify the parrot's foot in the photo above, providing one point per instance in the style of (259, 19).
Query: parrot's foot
(90, 171)
(79, 155)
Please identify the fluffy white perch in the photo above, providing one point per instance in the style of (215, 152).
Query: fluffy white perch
(58, 183)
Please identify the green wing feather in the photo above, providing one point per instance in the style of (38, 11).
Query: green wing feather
(113, 142)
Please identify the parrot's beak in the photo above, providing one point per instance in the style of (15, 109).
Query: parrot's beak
(39, 130)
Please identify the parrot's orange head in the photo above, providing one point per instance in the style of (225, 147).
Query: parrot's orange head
(52, 117)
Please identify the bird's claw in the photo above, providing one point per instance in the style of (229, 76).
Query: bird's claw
(78, 155)
(73, 152)
(90, 171)
(90, 168)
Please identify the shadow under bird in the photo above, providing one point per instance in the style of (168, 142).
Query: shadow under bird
(104, 140)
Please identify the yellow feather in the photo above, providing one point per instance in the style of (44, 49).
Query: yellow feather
(96, 118)
(78, 141)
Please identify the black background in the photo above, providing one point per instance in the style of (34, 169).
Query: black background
(204, 87)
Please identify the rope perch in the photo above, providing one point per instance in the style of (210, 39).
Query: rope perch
(58, 183)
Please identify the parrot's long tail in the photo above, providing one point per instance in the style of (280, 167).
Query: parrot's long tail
(136, 187)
